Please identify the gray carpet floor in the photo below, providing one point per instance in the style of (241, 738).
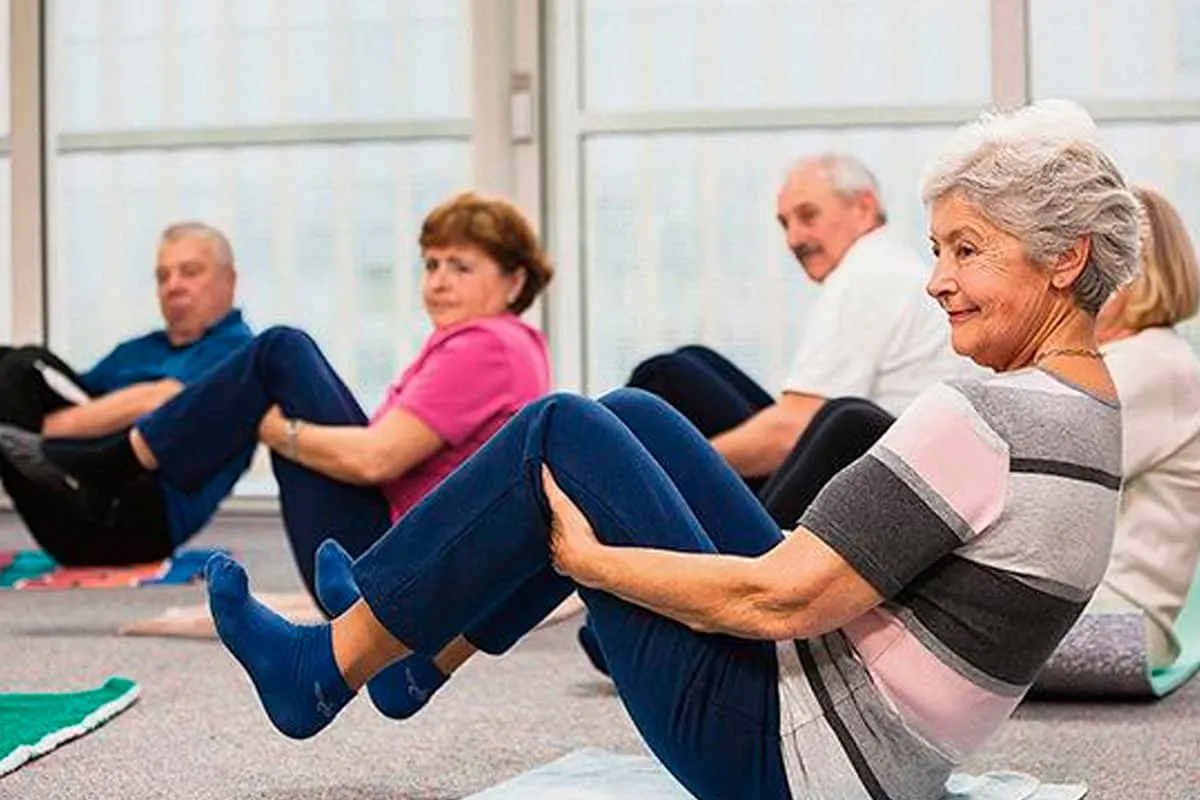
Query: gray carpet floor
(198, 732)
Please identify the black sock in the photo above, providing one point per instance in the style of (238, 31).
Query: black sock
(108, 462)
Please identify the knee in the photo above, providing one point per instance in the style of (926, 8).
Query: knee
(26, 355)
(556, 402)
(654, 369)
(698, 351)
(850, 410)
(563, 407)
(18, 362)
(281, 351)
(284, 336)
(284, 339)
(630, 401)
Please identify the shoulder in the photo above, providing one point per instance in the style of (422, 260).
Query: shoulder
(883, 249)
(142, 343)
(1154, 352)
(232, 326)
(881, 266)
(504, 332)
(948, 412)
(1155, 372)
(1038, 415)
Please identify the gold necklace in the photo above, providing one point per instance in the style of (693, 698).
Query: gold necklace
(1081, 352)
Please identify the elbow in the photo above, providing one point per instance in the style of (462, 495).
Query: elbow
(164, 391)
(58, 424)
(781, 446)
(780, 611)
(788, 428)
(373, 469)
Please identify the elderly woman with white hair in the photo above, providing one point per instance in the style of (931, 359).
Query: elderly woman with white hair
(883, 640)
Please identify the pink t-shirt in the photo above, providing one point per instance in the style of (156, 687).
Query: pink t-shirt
(465, 383)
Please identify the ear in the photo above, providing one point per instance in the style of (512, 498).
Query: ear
(867, 205)
(519, 277)
(1067, 268)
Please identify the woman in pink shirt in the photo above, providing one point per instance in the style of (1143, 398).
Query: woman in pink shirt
(341, 473)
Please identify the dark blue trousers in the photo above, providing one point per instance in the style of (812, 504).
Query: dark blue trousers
(705, 387)
(214, 419)
(473, 558)
(715, 395)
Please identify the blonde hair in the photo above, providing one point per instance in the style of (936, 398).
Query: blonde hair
(1166, 289)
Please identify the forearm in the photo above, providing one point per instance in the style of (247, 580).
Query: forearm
(110, 413)
(758, 446)
(343, 452)
(707, 592)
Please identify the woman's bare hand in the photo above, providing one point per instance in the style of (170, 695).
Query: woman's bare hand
(573, 542)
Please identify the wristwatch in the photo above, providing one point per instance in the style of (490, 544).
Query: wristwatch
(291, 441)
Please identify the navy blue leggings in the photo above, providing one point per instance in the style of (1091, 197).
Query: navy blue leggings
(215, 418)
(472, 558)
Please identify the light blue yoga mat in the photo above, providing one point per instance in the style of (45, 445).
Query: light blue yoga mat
(1104, 656)
(1187, 628)
(593, 774)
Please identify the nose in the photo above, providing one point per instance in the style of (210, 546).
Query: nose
(171, 283)
(942, 282)
(795, 238)
(436, 278)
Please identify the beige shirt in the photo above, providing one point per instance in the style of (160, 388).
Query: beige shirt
(1157, 539)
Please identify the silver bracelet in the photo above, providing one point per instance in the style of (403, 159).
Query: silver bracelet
(291, 439)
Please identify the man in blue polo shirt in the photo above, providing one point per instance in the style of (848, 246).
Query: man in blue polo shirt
(42, 394)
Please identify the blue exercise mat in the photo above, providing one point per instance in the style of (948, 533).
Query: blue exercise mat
(592, 774)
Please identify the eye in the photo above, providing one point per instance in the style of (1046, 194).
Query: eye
(937, 251)
(965, 251)
(430, 265)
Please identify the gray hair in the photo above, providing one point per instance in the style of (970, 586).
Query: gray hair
(191, 229)
(1041, 175)
(848, 176)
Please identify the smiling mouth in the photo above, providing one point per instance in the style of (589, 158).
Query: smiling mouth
(960, 315)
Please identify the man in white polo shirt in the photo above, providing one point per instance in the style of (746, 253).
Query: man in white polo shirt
(871, 334)
(872, 342)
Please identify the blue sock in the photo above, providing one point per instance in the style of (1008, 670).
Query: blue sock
(292, 666)
(403, 688)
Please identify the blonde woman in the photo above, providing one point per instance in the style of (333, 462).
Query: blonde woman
(1158, 379)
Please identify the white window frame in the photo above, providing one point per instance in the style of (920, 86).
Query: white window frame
(527, 131)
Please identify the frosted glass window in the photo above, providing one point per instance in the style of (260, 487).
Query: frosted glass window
(324, 238)
(684, 54)
(1115, 49)
(153, 64)
(683, 244)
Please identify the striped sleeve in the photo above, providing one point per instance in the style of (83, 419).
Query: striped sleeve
(937, 479)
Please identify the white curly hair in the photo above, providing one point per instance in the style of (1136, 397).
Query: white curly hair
(1041, 174)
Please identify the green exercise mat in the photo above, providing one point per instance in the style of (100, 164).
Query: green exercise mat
(32, 725)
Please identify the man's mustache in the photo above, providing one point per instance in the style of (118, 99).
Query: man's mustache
(806, 250)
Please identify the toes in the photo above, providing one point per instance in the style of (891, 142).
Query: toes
(226, 577)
